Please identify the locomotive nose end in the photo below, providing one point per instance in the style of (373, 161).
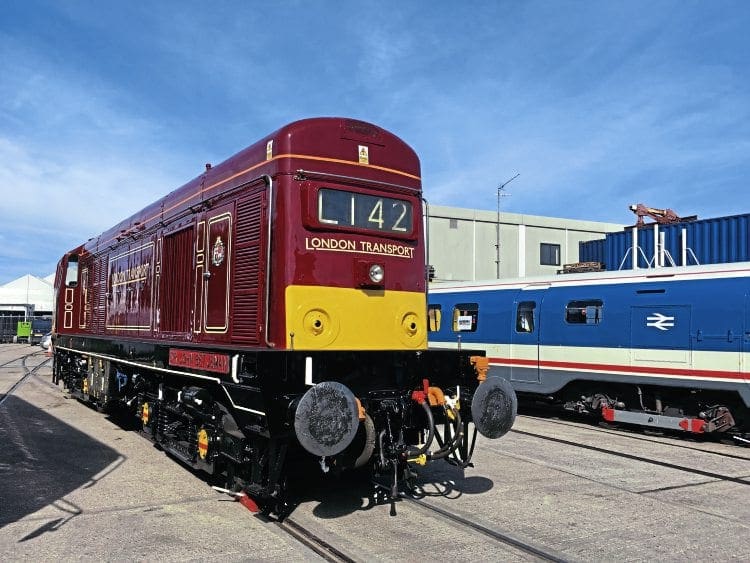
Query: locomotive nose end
(493, 407)
(326, 419)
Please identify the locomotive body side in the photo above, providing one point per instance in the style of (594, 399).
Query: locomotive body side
(276, 300)
(668, 349)
(130, 273)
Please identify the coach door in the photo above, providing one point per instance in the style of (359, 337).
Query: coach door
(524, 340)
(661, 334)
(214, 267)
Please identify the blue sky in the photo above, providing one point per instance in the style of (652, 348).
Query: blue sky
(106, 106)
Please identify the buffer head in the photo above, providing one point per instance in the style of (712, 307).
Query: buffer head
(494, 407)
(326, 419)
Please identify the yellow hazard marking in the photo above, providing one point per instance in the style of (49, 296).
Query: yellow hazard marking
(338, 318)
(419, 460)
(202, 443)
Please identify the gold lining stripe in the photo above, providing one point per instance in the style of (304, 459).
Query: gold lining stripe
(253, 167)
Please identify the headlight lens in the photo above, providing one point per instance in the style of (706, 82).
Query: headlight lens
(376, 273)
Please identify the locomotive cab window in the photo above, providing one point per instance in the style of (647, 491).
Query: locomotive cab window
(71, 274)
(525, 316)
(465, 317)
(338, 208)
(434, 318)
(584, 312)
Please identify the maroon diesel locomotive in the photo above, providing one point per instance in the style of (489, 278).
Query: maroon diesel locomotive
(275, 307)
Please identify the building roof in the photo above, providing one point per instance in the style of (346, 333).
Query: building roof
(28, 289)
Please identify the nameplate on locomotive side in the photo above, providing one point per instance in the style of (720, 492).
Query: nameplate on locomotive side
(206, 361)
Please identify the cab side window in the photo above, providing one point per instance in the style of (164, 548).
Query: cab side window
(584, 312)
(71, 274)
(525, 316)
(434, 318)
(465, 317)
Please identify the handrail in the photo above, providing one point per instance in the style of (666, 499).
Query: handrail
(269, 183)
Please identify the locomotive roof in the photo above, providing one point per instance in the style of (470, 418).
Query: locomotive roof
(315, 139)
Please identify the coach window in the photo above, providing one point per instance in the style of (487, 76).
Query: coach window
(549, 254)
(587, 312)
(434, 316)
(525, 316)
(465, 317)
(71, 275)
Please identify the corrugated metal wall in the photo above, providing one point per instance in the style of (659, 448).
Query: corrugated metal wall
(591, 250)
(711, 241)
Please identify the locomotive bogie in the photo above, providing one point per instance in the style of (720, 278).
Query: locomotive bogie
(349, 410)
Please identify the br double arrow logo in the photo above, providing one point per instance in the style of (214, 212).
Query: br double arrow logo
(662, 322)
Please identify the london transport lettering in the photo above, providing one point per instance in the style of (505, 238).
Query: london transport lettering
(132, 266)
(207, 361)
(134, 274)
(362, 246)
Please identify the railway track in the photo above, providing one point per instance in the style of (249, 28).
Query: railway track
(345, 538)
(639, 458)
(506, 539)
(329, 552)
(6, 365)
(306, 535)
(314, 542)
(28, 372)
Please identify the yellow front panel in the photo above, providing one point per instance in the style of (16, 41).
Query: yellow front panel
(332, 318)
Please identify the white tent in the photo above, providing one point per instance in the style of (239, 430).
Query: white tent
(28, 289)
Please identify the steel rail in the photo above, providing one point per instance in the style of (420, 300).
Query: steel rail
(27, 373)
(313, 542)
(666, 464)
(489, 532)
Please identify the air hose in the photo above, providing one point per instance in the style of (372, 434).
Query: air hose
(450, 446)
(430, 436)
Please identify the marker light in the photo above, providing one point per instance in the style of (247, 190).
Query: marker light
(376, 273)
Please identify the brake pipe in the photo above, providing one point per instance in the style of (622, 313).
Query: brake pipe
(431, 432)
(449, 448)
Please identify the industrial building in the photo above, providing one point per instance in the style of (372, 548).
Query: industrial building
(469, 244)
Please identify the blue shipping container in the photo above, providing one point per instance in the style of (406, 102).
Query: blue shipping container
(591, 251)
(709, 241)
